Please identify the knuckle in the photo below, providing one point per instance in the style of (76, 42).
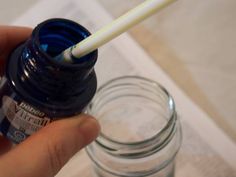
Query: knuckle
(56, 155)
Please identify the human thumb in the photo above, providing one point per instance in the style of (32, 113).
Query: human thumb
(44, 153)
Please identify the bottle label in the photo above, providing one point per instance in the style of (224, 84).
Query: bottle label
(24, 119)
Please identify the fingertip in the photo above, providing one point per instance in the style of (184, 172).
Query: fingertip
(89, 127)
(10, 37)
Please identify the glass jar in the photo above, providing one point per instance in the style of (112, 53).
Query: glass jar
(140, 131)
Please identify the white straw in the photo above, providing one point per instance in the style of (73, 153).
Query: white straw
(115, 28)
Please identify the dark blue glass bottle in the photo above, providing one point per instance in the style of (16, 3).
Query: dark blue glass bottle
(37, 89)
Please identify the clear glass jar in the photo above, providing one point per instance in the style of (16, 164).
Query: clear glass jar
(140, 133)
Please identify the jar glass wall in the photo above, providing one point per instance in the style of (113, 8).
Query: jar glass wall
(140, 133)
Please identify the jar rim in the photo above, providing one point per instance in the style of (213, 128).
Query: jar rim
(144, 147)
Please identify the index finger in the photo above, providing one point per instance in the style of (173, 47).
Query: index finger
(10, 37)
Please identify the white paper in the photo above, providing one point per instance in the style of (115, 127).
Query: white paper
(206, 150)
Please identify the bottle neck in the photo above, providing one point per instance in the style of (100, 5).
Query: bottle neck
(40, 70)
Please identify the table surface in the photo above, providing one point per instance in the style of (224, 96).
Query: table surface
(193, 41)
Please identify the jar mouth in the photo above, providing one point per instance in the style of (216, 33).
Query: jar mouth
(55, 35)
(157, 104)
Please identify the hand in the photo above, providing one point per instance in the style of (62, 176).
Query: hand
(44, 153)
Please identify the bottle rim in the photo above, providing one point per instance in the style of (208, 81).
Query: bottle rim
(70, 25)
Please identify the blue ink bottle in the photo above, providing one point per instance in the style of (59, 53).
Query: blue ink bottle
(36, 89)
